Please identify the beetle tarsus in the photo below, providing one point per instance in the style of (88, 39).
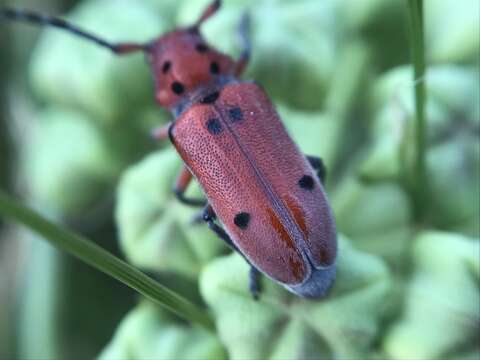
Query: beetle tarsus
(254, 283)
(319, 166)
(188, 201)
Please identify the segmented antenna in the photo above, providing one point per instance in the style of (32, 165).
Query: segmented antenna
(45, 20)
(209, 11)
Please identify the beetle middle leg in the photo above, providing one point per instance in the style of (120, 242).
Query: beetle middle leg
(319, 167)
(254, 282)
(244, 36)
(180, 187)
(209, 217)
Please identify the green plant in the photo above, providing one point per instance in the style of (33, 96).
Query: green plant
(400, 142)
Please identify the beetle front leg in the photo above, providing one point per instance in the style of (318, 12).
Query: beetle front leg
(244, 35)
(181, 185)
(319, 167)
(209, 217)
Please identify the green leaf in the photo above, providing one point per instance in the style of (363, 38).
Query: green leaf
(360, 15)
(452, 153)
(102, 260)
(452, 30)
(376, 216)
(283, 326)
(82, 173)
(454, 169)
(148, 333)
(449, 105)
(442, 313)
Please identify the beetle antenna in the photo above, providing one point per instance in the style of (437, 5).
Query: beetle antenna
(45, 20)
(208, 12)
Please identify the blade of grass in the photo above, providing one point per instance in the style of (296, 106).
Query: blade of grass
(420, 187)
(102, 260)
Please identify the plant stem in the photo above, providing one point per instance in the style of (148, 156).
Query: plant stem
(420, 188)
(102, 260)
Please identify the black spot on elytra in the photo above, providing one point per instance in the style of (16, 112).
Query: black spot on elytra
(210, 98)
(306, 182)
(201, 48)
(235, 114)
(242, 219)
(214, 67)
(214, 126)
(177, 87)
(166, 66)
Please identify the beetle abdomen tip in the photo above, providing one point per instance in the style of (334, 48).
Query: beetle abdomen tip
(317, 285)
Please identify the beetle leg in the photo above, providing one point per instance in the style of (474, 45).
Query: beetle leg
(319, 166)
(181, 185)
(254, 282)
(244, 35)
(209, 217)
(161, 132)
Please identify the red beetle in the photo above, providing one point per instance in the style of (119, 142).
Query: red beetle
(266, 193)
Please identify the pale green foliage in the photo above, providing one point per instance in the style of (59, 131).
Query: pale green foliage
(453, 153)
(377, 216)
(339, 73)
(88, 167)
(442, 299)
(147, 333)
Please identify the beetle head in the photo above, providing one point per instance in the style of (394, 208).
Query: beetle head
(181, 61)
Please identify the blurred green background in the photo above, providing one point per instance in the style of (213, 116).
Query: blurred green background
(75, 144)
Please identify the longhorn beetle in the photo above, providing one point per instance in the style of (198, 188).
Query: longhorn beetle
(266, 193)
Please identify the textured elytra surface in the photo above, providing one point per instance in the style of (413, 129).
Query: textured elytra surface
(252, 166)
